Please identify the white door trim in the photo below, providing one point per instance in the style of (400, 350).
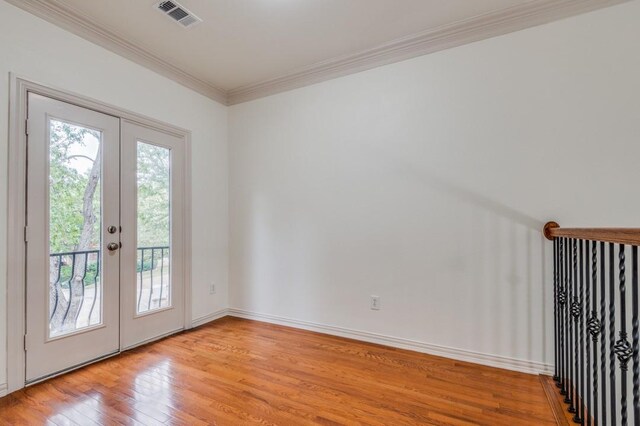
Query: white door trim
(16, 196)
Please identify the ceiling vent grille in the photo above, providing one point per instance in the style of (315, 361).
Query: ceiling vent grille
(178, 13)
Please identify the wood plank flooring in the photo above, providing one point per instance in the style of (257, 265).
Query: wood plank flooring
(240, 372)
(558, 407)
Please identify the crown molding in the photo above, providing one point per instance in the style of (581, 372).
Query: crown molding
(503, 21)
(481, 27)
(84, 26)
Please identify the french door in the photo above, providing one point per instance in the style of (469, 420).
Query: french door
(151, 264)
(103, 235)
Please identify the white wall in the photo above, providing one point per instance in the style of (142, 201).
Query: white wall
(426, 183)
(39, 51)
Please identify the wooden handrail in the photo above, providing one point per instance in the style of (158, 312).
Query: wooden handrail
(629, 236)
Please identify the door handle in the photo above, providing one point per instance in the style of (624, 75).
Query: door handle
(113, 246)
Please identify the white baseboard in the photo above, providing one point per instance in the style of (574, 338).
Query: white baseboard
(3, 389)
(150, 340)
(531, 367)
(208, 318)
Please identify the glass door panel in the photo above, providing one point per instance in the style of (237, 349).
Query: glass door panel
(153, 166)
(75, 292)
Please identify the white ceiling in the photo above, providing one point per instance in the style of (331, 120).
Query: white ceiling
(243, 42)
(247, 49)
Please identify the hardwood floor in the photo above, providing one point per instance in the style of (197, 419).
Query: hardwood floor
(239, 372)
(558, 407)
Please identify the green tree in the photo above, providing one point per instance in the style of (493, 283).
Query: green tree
(153, 195)
(73, 223)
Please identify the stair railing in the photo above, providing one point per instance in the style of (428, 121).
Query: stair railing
(594, 311)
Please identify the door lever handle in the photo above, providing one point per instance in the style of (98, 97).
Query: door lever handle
(113, 246)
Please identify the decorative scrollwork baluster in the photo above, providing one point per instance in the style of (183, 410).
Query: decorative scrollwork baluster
(585, 347)
(556, 323)
(612, 332)
(574, 311)
(594, 327)
(635, 334)
(570, 377)
(603, 343)
(622, 347)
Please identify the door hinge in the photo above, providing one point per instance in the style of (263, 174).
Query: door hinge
(26, 234)
(26, 127)
(25, 342)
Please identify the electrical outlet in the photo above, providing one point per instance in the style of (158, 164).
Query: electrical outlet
(212, 288)
(375, 303)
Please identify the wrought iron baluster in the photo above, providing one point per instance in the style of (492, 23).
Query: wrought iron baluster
(73, 272)
(635, 331)
(557, 302)
(151, 279)
(561, 317)
(594, 328)
(161, 275)
(574, 329)
(569, 396)
(56, 285)
(585, 347)
(556, 324)
(612, 332)
(576, 312)
(565, 325)
(95, 285)
(84, 276)
(622, 347)
(603, 353)
(140, 283)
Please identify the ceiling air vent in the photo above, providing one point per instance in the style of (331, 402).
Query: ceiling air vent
(178, 13)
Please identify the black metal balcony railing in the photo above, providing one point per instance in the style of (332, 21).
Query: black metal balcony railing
(67, 267)
(592, 317)
(75, 286)
(152, 259)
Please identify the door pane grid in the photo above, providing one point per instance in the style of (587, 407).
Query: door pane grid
(153, 228)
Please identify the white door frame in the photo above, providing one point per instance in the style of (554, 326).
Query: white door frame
(16, 260)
